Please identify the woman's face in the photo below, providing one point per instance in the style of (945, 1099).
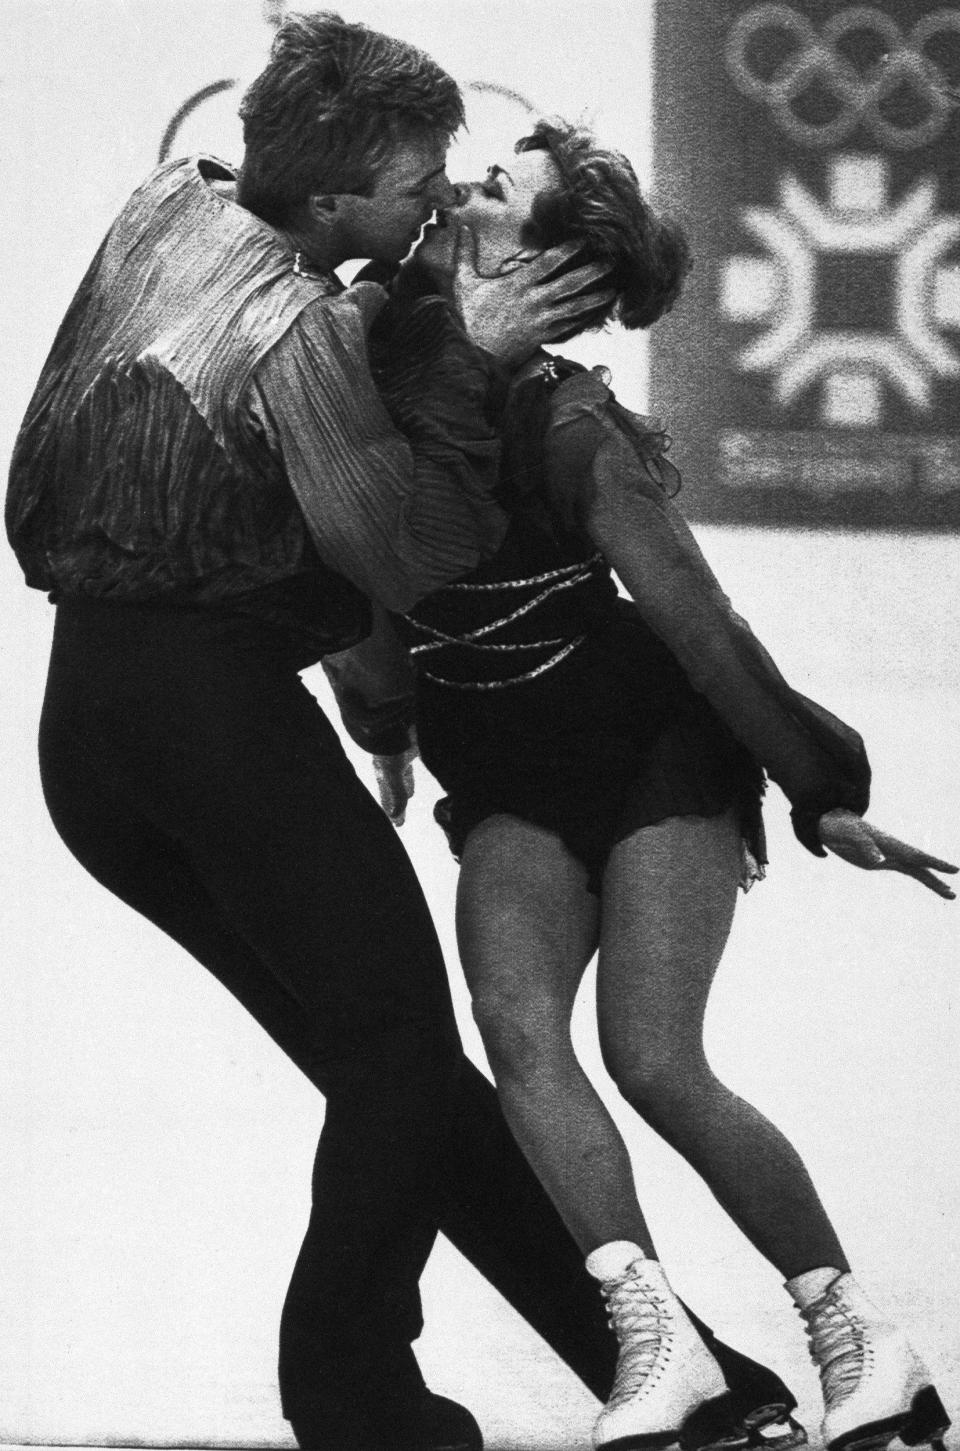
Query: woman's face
(497, 210)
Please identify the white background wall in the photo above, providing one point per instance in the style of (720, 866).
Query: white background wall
(155, 1147)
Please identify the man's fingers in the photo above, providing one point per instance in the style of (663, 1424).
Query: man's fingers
(562, 314)
(541, 267)
(465, 250)
(570, 283)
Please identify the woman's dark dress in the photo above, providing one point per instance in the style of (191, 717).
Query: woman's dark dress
(542, 693)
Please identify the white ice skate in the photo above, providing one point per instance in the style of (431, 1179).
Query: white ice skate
(664, 1371)
(875, 1386)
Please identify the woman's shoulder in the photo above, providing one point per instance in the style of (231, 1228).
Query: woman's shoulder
(585, 425)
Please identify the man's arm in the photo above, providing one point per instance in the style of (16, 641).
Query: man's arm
(397, 518)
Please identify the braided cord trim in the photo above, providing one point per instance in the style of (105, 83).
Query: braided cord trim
(512, 679)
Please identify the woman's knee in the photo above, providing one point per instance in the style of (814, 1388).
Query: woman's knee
(664, 1085)
(523, 1033)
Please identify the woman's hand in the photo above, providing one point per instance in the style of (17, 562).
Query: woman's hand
(511, 313)
(849, 836)
(395, 782)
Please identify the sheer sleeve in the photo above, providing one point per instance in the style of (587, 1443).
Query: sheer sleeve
(372, 684)
(817, 760)
(398, 517)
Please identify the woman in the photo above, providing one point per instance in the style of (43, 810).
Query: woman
(604, 765)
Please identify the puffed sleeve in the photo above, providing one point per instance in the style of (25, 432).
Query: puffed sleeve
(817, 760)
(397, 516)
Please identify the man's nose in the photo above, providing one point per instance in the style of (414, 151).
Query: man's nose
(444, 193)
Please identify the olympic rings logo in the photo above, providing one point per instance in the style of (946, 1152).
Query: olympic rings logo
(815, 62)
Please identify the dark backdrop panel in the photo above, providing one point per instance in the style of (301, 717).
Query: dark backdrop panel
(811, 373)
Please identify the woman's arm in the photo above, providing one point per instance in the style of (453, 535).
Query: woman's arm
(819, 762)
(372, 684)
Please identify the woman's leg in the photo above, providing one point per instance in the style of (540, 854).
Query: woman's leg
(668, 898)
(669, 893)
(526, 929)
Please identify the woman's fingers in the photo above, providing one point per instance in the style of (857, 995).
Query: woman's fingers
(865, 846)
(910, 861)
(395, 783)
(910, 855)
(926, 879)
(921, 875)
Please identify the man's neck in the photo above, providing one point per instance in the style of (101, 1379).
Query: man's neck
(317, 254)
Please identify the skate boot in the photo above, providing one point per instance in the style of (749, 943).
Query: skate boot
(875, 1387)
(664, 1371)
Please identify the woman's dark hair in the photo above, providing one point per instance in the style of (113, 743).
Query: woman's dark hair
(332, 102)
(600, 205)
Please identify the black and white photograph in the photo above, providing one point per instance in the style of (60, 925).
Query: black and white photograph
(481, 705)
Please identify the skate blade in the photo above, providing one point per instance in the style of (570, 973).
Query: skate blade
(781, 1435)
(720, 1425)
(648, 1441)
(925, 1422)
(784, 1434)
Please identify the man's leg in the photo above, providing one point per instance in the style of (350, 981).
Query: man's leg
(220, 805)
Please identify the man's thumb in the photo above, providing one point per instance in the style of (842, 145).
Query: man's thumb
(466, 255)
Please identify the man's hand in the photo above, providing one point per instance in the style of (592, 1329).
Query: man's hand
(510, 315)
(862, 845)
(395, 782)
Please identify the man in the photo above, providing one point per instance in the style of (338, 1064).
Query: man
(209, 488)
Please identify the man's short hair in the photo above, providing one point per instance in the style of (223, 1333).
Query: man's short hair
(331, 104)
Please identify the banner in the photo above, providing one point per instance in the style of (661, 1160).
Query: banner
(811, 373)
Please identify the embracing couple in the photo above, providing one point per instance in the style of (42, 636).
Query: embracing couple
(232, 467)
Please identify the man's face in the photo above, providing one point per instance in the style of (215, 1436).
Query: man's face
(408, 189)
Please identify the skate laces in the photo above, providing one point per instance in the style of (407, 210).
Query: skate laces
(837, 1346)
(641, 1322)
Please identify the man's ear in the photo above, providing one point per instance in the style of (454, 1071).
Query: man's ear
(322, 208)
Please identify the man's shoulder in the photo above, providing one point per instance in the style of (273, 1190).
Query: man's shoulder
(195, 175)
(333, 319)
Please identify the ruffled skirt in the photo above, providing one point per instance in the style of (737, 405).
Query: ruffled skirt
(611, 740)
